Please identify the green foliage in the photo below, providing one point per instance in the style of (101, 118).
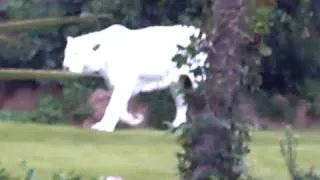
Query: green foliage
(4, 175)
(11, 115)
(274, 106)
(124, 12)
(161, 108)
(38, 47)
(143, 13)
(266, 107)
(225, 160)
(31, 174)
(48, 111)
(258, 25)
(76, 109)
(288, 150)
(310, 90)
(314, 110)
(294, 39)
(52, 110)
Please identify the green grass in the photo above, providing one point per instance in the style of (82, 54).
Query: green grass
(269, 162)
(132, 154)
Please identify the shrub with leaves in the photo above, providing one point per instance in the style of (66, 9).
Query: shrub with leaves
(31, 174)
(52, 110)
(288, 151)
(4, 175)
(48, 111)
(73, 107)
(226, 157)
(11, 115)
(75, 102)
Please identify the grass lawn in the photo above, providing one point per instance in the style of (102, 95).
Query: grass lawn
(132, 154)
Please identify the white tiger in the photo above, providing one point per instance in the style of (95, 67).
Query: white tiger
(133, 61)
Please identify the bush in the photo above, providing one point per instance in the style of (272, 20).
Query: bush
(11, 115)
(266, 107)
(48, 111)
(161, 108)
(73, 108)
(288, 150)
(311, 91)
(275, 106)
(75, 102)
(31, 174)
(224, 161)
(314, 110)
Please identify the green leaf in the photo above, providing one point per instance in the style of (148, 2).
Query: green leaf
(180, 60)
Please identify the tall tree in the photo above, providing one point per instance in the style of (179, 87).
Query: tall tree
(214, 140)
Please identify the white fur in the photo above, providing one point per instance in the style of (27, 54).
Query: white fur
(133, 61)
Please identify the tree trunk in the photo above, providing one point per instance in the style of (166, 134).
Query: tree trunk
(223, 77)
(214, 146)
